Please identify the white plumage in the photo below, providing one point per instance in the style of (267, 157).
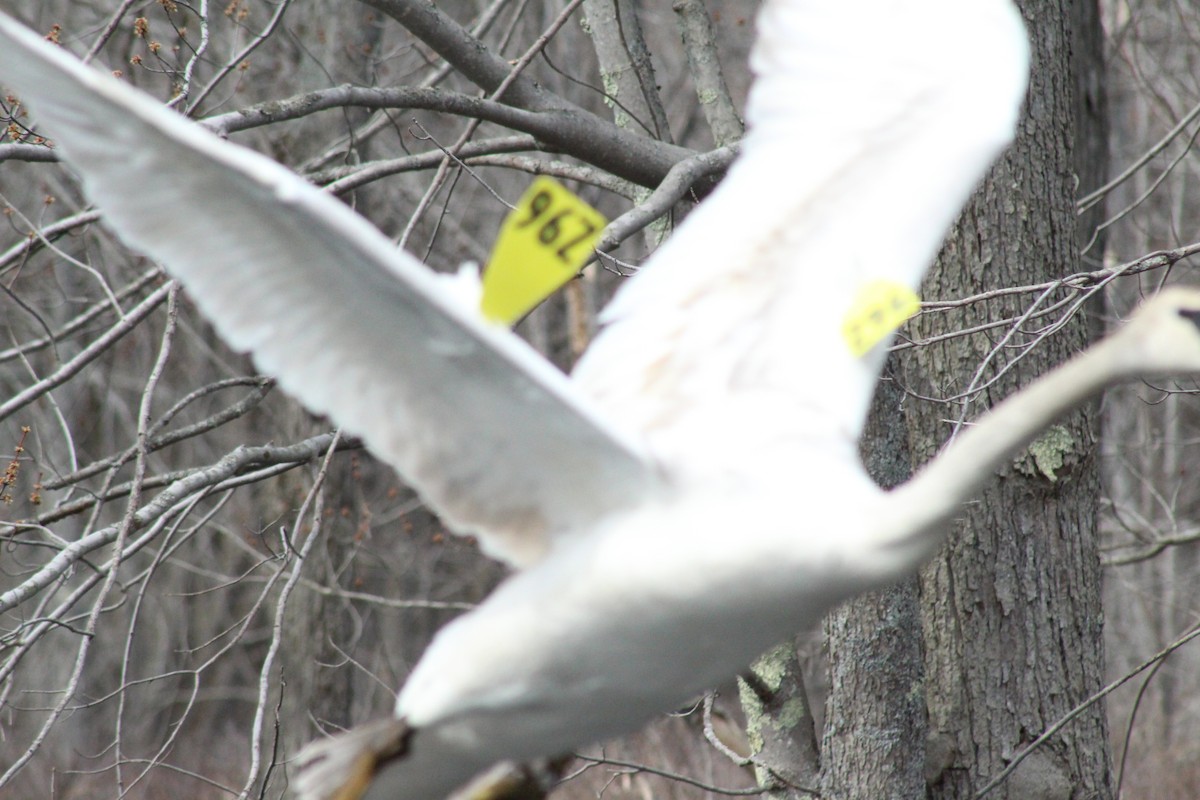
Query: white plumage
(693, 495)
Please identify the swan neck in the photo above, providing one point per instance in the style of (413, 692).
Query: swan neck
(934, 495)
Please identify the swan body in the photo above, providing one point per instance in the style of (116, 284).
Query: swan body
(692, 494)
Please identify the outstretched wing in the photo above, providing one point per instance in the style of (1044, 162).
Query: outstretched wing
(490, 434)
(869, 126)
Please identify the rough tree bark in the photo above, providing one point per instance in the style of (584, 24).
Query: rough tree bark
(874, 739)
(1012, 615)
(1011, 609)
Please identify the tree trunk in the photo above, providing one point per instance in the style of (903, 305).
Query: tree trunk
(1011, 608)
(874, 742)
(1012, 615)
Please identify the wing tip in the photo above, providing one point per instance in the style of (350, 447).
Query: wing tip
(342, 766)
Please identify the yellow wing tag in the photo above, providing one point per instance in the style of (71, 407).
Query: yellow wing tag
(542, 244)
(880, 308)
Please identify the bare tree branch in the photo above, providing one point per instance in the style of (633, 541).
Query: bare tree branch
(572, 130)
(700, 45)
(202, 480)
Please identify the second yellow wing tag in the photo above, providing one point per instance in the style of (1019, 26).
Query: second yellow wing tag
(880, 308)
(543, 243)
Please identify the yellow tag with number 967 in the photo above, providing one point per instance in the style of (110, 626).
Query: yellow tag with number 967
(880, 308)
(543, 243)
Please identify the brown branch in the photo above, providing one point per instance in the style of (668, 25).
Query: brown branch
(563, 126)
(345, 179)
(200, 480)
(88, 354)
(467, 54)
(28, 152)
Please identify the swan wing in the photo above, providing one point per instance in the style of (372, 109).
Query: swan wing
(869, 125)
(495, 438)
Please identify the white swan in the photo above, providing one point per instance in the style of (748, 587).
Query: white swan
(693, 494)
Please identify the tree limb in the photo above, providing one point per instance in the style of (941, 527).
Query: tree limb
(565, 127)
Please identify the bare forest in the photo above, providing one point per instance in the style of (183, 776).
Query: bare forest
(197, 576)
